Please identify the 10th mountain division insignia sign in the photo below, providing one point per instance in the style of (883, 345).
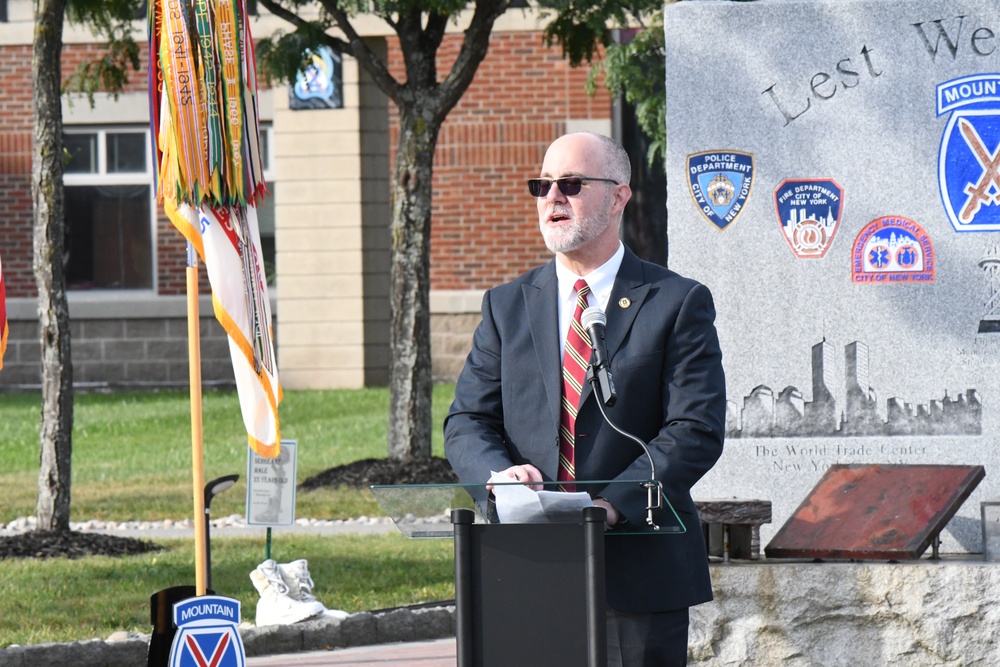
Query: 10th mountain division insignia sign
(720, 182)
(809, 213)
(969, 158)
(207, 634)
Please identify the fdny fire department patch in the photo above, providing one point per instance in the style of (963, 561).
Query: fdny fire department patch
(207, 633)
(809, 214)
(720, 183)
(969, 158)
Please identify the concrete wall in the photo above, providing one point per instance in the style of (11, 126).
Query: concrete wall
(832, 355)
(454, 317)
(119, 344)
(923, 614)
(317, 160)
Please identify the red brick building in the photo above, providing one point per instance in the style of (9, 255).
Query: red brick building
(325, 227)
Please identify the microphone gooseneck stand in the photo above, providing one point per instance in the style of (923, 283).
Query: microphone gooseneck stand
(652, 486)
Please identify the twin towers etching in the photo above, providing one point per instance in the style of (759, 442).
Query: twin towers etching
(788, 414)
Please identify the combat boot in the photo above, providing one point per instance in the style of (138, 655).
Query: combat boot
(276, 606)
(300, 586)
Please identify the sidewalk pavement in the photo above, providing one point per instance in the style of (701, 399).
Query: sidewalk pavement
(403, 637)
(433, 653)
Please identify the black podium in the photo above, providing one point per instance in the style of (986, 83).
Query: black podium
(529, 593)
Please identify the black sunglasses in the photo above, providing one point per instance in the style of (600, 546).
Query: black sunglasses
(570, 186)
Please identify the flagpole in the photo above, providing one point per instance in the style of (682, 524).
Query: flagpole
(197, 433)
(209, 178)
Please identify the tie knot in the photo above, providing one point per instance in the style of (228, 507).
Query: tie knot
(581, 287)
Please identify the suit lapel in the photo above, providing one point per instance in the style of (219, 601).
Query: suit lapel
(541, 307)
(628, 285)
(626, 298)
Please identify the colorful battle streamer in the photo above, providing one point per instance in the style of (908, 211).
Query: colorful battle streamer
(205, 121)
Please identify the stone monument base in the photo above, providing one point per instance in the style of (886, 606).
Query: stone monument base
(859, 614)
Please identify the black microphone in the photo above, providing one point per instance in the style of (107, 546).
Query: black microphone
(594, 320)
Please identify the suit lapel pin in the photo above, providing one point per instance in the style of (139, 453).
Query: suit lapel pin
(624, 302)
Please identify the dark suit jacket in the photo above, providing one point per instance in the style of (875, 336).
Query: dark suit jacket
(667, 367)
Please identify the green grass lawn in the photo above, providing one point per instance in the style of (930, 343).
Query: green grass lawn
(132, 460)
(132, 452)
(67, 600)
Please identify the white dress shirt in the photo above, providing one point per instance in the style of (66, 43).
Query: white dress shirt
(601, 280)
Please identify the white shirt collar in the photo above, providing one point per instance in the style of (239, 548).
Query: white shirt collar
(601, 280)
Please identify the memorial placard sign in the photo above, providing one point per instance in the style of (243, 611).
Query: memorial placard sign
(271, 486)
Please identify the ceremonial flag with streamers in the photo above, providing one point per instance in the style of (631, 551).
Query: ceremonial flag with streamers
(206, 140)
(3, 316)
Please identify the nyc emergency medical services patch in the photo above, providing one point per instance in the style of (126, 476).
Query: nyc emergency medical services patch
(809, 212)
(892, 249)
(207, 633)
(969, 157)
(720, 182)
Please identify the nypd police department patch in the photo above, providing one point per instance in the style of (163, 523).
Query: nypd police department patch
(720, 182)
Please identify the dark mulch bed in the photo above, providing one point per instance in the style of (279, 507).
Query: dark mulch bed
(364, 473)
(71, 544)
(359, 474)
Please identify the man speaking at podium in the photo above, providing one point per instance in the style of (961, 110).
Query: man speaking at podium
(522, 408)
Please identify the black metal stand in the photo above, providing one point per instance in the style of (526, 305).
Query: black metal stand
(161, 610)
(530, 594)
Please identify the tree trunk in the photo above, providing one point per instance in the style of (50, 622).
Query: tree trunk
(410, 337)
(52, 508)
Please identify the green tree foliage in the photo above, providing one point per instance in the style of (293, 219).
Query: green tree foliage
(114, 21)
(633, 66)
(635, 69)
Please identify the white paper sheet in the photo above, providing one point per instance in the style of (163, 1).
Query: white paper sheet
(516, 503)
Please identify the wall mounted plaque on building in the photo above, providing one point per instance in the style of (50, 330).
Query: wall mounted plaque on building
(320, 82)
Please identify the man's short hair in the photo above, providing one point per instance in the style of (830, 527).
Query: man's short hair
(619, 164)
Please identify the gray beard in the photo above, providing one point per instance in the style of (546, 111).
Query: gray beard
(582, 232)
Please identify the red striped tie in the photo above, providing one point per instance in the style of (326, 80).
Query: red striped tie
(576, 358)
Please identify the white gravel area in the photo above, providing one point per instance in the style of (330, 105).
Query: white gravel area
(232, 525)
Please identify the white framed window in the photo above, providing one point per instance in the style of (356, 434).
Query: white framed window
(109, 209)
